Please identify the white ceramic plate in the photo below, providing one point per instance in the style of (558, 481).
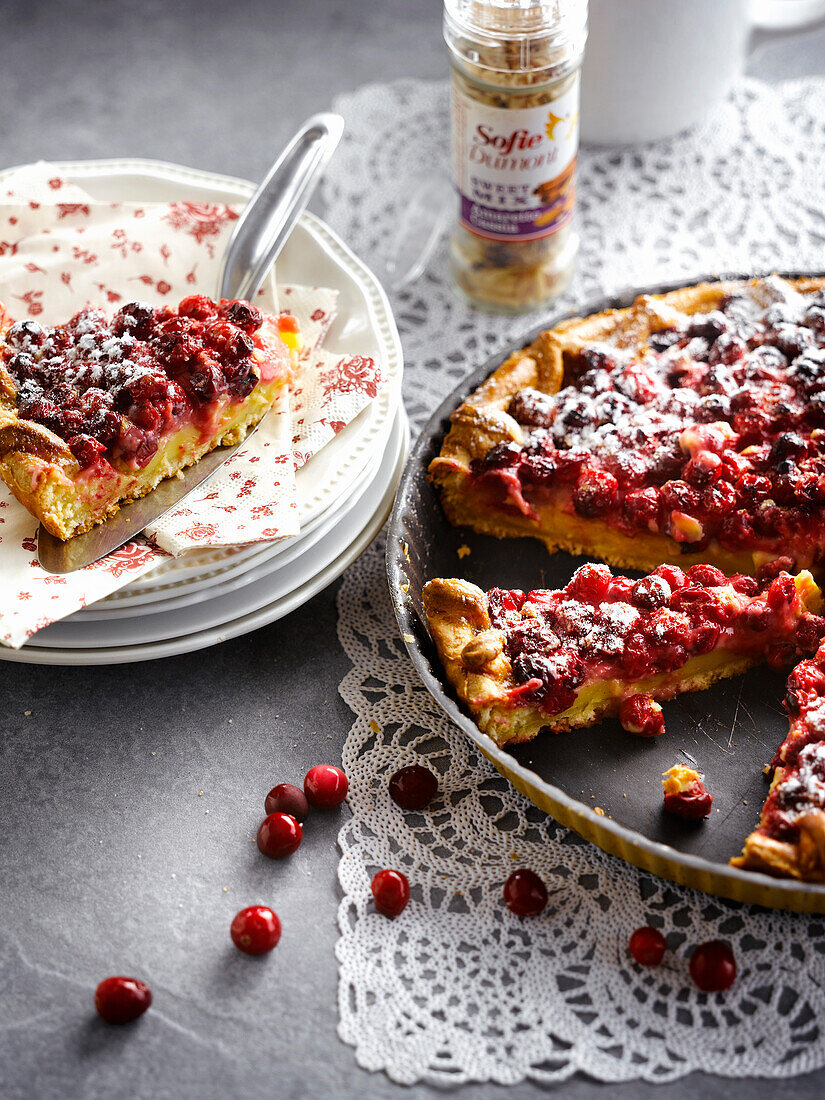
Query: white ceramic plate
(344, 492)
(313, 256)
(379, 502)
(236, 575)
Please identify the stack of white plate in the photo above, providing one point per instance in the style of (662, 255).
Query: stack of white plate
(345, 492)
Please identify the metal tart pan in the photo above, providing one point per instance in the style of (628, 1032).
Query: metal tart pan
(600, 782)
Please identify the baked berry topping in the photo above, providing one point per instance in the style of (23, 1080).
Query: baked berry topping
(713, 967)
(112, 387)
(642, 715)
(524, 893)
(647, 946)
(390, 892)
(279, 835)
(688, 437)
(605, 627)
(325, 786)
(685, 793)
(120, 1000)
(286, 798)
(413, 787)
(255, 930)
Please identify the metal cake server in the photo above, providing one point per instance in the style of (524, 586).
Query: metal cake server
(259, 235)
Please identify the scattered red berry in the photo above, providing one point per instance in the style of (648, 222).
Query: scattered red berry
(413, 787)
(647, 946)
(325, 786)
(713, 967)
(642, 716)
(391, 892)
(685, 794)
(279, 835)
(524, 893)
(120, 1000)
(255, 930)
(286, 798)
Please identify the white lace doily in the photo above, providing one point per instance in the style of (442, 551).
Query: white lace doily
(457, 989)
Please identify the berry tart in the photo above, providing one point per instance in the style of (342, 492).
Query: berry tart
(790, 838)
(608, 644)
(99, 410)
(688, 428)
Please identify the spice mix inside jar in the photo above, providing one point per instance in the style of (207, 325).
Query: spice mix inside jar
(515, 112)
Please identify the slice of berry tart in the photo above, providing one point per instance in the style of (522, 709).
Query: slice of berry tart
(687, 428)
(606, 644)
(790, 838)
(99, 410)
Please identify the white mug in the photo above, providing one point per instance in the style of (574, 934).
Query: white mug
(655, 67)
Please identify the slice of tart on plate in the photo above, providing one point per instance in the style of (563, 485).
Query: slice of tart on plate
(99, 410)
(606, 645)
(790, 839)
(689, 427)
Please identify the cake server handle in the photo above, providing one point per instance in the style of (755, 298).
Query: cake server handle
(270, 215)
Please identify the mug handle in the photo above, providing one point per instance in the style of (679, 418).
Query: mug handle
(785, 15)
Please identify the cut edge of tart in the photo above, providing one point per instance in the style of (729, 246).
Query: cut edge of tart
(518, 675)
(500, 505)
(73, 480)
(789, 841)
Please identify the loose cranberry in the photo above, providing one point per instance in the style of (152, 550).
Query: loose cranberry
(286, 798)
(641, 714)
(596, 492)
(413, 787)
(120, 1000)
(325, 786)
(590, 583)
(708, 576)
(255, 930)
(649, 593)
(693, 803)
(713, 967)
(647, 946)
(524, 893)
(279, 835)
(390, 891)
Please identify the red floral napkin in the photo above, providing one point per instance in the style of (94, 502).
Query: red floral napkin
(60, 250)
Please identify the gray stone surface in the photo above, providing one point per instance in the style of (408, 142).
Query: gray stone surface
(113, 861)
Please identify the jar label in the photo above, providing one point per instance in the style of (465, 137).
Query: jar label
(515, 167)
